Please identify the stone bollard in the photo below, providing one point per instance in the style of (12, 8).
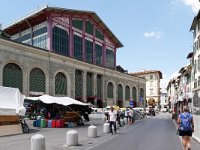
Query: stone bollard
(125, 121)
(117, 125)
(106, 128)
(38, 142)
(92, 131)
(72, 138)
(121, 122)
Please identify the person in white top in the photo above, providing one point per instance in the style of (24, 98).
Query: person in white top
(112, 119)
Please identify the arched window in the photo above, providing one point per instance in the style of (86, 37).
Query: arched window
(142, 95)
(78, 84)
(60, 41)
(120, 92)
(110, 90)
(60, 84)
(134, 93)
(37, 80)
(127, 93)
(89, 84)
(12, 76)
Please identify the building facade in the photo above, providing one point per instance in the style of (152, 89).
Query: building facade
(64, 52)
(195, 74)
(152, 86)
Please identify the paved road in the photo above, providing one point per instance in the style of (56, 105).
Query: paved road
(155, 133)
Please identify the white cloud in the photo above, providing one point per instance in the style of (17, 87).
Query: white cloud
(195, 4)
(153, 34)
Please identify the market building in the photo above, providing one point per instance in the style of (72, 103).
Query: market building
(65, 52)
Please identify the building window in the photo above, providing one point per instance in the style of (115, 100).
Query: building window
(98, 49)
(60, 84)
(99, 87)
(109, 59)
(134, 93)
(78, 84)
(198, 63)
(89, 85)
(78, 47)
(151, 77)
(12, 76)
(98, 34)
(89, 51)
(60, 41)
(77, 24)
(37, 80)
(110, 90)
(151, 91)
(198, 81)
(127, 93)
(120, 92)
(89, 28)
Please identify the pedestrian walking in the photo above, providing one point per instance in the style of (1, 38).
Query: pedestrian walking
(130, 116)
(112, 119)
(126, 114)
(186, 127)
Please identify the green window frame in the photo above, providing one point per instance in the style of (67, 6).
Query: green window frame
(77, 24)
(78, 84)
(134, 93)
(89, 28)
(120, 92)
(109, 59)
(60, 84)
(98, 34)
(60, 41)
(78, 52)
(99, 86)
(89, 51)
(110, 90)
(37, 80)
(89, 85)
(98, 50)
(127, 93)
(12, 76)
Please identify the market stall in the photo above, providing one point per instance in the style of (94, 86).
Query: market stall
(57, 111)
(11, 109)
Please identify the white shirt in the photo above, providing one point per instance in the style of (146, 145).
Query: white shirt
(113, 115)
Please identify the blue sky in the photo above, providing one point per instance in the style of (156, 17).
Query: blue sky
(155, 33)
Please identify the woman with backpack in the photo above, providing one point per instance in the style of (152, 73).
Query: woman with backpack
(186, 127)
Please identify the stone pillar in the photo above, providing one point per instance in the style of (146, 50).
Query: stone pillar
(72, 82)
(84, 74)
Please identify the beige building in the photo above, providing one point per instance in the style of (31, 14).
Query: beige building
(152, 85)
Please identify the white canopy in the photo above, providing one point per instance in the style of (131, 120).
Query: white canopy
(11, 101)
(58, 100)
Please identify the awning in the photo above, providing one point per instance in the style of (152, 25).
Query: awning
(47, 99)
